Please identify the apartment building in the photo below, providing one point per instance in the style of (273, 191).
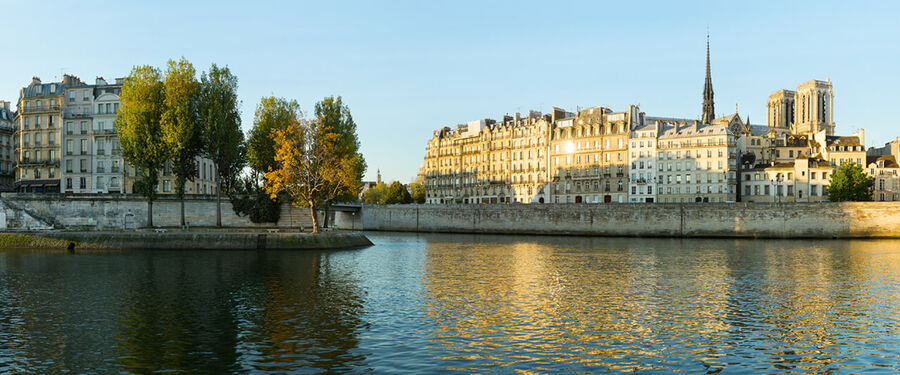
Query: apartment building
(697, 163)
(66, 141)
(37, 136)
(7, 149)
(802, 180)
(589, 156)
(642, 157)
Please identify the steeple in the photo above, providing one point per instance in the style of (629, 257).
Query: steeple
(709, 111)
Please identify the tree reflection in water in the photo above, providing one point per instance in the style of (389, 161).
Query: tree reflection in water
(471, 303)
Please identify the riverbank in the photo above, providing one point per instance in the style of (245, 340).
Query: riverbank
(737, 220)
(179, 240)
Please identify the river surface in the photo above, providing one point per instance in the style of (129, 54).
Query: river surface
(441, 303)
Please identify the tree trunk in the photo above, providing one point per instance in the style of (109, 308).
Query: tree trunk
(149, 213)
(182, 210)
(218, 198)
(325, 218)
(315, 220)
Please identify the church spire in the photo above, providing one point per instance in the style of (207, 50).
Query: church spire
(709, 110)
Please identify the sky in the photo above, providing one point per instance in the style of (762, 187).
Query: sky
(406, 69)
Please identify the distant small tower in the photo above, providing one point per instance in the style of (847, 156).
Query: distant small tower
(378, 177)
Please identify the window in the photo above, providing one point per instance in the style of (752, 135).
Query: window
(69, 147)
(82, 183)
(68, 183)
(84, 149)
(83, 165)
(87, 95)
(69, 168)
(84, 127)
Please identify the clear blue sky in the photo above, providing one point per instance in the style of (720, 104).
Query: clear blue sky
(407, 68)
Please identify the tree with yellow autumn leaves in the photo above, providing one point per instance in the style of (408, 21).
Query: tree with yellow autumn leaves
(316, 161)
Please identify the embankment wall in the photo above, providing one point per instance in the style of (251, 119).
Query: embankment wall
(791, 220)
(98, 212)
(181, 240)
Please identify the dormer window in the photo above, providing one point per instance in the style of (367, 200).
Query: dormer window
(53, 88)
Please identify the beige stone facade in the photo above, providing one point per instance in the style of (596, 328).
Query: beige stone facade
(697, 163)
(801, 180)
(37, 137)
(600, 156)
(65, 141)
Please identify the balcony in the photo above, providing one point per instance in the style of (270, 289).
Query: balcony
(41, 109)
(101, 152)
(77, 116)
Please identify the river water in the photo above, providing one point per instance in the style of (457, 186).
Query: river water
(440, 303)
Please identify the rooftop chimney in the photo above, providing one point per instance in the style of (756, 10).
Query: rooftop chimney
(35, 81)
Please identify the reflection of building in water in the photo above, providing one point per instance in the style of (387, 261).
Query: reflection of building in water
(592, 302)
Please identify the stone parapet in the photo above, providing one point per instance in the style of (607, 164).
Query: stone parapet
(753, 220)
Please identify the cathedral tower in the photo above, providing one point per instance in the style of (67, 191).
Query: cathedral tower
(780, 109)
(814, 107)
(709, 109)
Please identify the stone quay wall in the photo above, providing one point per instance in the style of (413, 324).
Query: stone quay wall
(99, 212)
(147, 240)
(752, 220)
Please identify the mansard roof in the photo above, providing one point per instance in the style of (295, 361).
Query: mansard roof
(842, 141)
(889, 161)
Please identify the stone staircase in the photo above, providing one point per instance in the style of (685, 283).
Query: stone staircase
(13, 217)
(293, 217)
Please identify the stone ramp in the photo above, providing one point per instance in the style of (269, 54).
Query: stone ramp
(13, 217)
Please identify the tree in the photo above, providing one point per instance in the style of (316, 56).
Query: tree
(220, 120)
(335, 117)
(397, 193)
(850, 183)
(271, 114)
(375, 194)
(418, 192)
(180, 124)
(309, 171)
(140, 131)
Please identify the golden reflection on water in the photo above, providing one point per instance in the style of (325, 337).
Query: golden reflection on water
(632, 304)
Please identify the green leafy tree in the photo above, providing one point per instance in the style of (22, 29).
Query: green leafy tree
(850, 183)
(397, 193)
(271, 114)
(375, 194)
(220, 120)
(335, 117)
(418, 192)
(182, 132)
(140, 131)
